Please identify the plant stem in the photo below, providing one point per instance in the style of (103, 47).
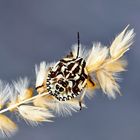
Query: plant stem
(22, 102)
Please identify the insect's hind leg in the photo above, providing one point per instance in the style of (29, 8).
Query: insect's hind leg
(89, 85)
(81, 99)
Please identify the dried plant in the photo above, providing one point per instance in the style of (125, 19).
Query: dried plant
(61, 87)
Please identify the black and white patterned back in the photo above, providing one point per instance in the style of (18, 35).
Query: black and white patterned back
(67, 78)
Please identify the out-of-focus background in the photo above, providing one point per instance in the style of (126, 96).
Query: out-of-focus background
(35, 30)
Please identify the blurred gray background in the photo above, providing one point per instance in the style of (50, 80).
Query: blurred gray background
(35, 30)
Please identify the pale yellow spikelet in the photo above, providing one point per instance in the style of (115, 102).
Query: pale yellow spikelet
(22, 88)
(34, 114)
(83, 53)
(61, 108)
(122, 43)
(96, 57)
(64, 108)
(1, 106)
(7, 127)
(4, 93)
(90, 93)
(13, 98)
(41, 73)
(108, 83)
(41, 101)
(107, 68)
(28, 93)
(90, 87)
(116, 66)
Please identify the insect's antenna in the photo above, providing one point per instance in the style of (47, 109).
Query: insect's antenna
(78, 39)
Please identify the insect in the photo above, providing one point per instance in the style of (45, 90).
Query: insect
(68, 77)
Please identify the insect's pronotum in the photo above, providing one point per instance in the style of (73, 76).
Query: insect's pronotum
(62, 86)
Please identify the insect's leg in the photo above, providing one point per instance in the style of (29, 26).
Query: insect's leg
(81, 99)
(89, 84)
